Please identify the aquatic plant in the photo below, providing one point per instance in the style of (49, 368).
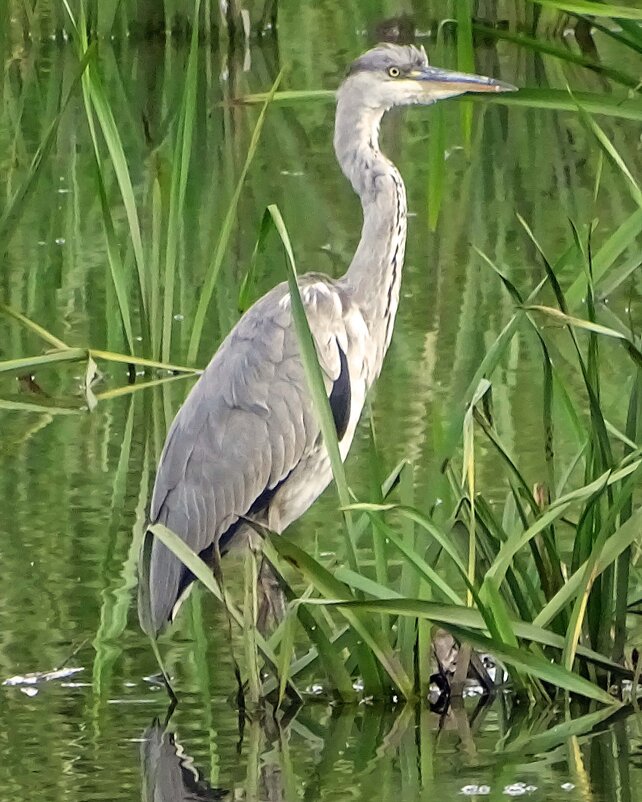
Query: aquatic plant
(541, 572)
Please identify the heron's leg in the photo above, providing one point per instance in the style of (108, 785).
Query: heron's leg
(271, 599)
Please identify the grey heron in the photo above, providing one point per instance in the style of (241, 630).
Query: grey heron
(246, 443)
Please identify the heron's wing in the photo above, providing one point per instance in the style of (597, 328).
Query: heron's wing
(244, 427)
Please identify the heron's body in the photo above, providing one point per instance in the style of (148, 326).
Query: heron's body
(255, 379)
(246, 443)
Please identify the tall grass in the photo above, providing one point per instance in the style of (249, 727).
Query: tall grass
(544, 569)
(540, 576)
(146, 20)
(547, 570)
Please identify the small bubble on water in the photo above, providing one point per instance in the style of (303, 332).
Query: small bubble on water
(30, 692)
(60, 241)
(179, 317)
(138, 339)
(567, 786)
(475, 790)
(515, 789)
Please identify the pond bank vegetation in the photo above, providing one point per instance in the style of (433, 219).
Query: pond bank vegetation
(543, 576)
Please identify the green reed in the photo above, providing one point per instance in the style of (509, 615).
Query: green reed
(540, 577)
(522, 540)
(532, 605)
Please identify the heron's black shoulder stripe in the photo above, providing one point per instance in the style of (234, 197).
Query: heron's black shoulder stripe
(340, 397)
(260, 503)
(340, 402)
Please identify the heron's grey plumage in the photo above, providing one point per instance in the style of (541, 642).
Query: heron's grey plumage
(389, 55)
(246, 442)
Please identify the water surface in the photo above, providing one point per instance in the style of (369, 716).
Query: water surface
(74, 485)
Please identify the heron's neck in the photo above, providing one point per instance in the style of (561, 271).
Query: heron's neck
(374, 275)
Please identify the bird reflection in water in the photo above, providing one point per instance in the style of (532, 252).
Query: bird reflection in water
(169, 775)
(369, 738)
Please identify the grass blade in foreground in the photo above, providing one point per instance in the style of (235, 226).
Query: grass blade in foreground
(592, 8)
(624, 537)
(517, 657)
(226, 231)
(326, 649)
(180, 169)
(52, 358)
(533, 98)
(465, 63)
(61, 348)
(319, 395)
(459, 615)
(94, 94)
(331, 588)
(611, 152)
(15, 205)
(316, 386)
(204, 574)
(36, 328)
(544, 741)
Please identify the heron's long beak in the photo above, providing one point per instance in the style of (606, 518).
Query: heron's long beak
(447, 81)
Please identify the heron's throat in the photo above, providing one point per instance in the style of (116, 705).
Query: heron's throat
(356, 144)
(374, 274)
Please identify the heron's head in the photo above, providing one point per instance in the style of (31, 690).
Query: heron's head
(394, 75)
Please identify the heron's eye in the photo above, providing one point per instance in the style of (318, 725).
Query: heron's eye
(393, 72)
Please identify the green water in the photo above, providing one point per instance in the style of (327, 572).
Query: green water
(74, 485)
